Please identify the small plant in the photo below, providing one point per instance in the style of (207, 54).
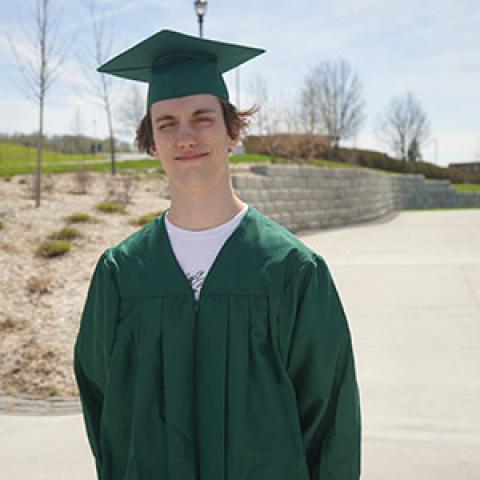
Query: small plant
(82, 181)
(120, 189)
(53, 248)
(1, 224)
(144, 219)
(52, 392)
(110, 207)
(9, 324)
(48, 183)
(66, 233)
(78, 217)
(38, 285)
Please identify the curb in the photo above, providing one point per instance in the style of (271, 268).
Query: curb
(33, 405)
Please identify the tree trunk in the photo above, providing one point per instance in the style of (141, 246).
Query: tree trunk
(38, 167)
(112, 139)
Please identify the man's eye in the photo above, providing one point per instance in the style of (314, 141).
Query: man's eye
(204, 120)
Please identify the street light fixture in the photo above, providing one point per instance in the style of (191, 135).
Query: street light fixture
(200, 10)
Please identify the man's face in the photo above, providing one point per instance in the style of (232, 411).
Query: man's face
(191, 139)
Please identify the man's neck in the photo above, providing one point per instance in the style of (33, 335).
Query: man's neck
(201, 209)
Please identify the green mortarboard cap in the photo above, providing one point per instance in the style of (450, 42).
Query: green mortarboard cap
(177, 65)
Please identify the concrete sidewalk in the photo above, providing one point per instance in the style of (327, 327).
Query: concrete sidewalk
(411, 289)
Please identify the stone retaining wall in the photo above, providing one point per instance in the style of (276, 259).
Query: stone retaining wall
(35, 405)
(309, 198)
(415, 191)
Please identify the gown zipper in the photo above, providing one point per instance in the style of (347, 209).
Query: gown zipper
(196, 383)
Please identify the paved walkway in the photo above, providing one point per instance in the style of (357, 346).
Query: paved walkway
(411, 289)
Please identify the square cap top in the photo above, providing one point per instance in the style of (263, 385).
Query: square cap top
(176, 65)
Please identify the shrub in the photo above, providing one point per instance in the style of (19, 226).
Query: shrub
(82, 180)
(120, 189)
(48, 183)
(78, 217)
(53, 248)
(144, 219)
(110, 207)
(66, 233)
(52, 392)
(9, 324)
(288, 145)
(38, 285)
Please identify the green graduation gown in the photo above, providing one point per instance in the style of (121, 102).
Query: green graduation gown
(254, 381)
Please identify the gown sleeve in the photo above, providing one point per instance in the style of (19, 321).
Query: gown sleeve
(321, 366)
(91, 350)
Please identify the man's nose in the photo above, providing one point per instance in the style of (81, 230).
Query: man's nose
(186, 137)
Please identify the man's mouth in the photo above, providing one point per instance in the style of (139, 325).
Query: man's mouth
(191, 157)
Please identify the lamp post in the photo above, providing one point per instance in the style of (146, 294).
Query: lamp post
(200, 10)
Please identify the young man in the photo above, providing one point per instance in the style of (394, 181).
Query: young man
(213, 344)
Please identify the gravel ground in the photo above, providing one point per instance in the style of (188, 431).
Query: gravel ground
(41, 299)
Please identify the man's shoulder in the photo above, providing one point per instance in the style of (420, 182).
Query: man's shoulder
(269, 254)
(274, 239)
(138, 245)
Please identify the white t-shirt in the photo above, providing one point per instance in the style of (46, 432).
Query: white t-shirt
(196, 250)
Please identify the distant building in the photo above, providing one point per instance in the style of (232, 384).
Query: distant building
(468, 166)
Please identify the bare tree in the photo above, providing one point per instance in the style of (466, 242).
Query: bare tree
(309, 111)
(292, 118)
(77, 128)
(39, 64)
(132, 109)
(77, 125)
(333, 99)
(101, 84)
(404, 127)
(259, 91)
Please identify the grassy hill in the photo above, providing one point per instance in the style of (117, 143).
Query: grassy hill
(12, 154)
(19, 160)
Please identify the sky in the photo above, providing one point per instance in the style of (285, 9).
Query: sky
(430, 48)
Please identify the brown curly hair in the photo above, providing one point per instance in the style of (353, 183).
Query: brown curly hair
(235, 121)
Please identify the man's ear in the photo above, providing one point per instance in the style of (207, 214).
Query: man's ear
(152, 151)
(232, 143)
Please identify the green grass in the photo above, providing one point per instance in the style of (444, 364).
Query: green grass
(13, 155)
(439, 209)
(144, 219)
(330, 164)
(73, 167)
(110, 207)
(249, 158)
(66, 233)
(20, 160)
(467, 187)
(53, 248)
(79, 217)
